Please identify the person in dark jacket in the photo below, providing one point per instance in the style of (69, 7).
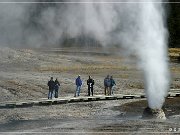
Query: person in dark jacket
(90, 83)
(78, 86)
(56, 87)
(113, 83)
(107, 84)
(51, 85)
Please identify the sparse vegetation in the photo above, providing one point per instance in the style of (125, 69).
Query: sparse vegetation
(86, 69)
(29, 74)
(174, 54)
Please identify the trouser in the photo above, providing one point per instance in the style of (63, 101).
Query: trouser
(56, 93)
(112, 89)
(107, 90)
(90, 91)
(77, 92)
(50, 94)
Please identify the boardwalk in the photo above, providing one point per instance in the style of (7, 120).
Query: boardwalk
(65, 100)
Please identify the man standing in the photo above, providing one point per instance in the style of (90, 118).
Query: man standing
(51, 88)
(107, 84)
(112, 85)
(78, 86)
(90, 83)
(56, 88)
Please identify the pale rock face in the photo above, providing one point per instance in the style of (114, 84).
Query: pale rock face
(153, 114)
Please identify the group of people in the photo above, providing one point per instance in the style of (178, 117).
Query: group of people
(90, 83)
(109, 84)
(53, 88)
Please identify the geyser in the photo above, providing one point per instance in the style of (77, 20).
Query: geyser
(153, 55)
(139, 27)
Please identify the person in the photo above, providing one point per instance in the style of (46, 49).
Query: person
(112, 85)
(56, 87)
(51, 88)
(107, 84)
(78, 86)
(90, 83)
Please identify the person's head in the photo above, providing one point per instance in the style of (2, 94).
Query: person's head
(79, 76)
(107, 76)
(89, 77)
(51, 78)
(111, 77)
(56, 79)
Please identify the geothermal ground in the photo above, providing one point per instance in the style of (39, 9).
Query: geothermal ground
(24, 74)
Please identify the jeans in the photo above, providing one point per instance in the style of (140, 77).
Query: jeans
(112, 89)
(56, 93)
(50, 94)
(77, 92)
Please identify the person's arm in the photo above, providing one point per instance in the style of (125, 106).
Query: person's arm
(80, 82)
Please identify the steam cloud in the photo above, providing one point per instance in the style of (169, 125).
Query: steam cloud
(139, 27)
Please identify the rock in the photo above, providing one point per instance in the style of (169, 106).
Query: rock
(153, 114)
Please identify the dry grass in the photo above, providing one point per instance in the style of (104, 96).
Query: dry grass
(174, 50)
(175, 69)
(86, 69)
(174, 53)
(86, 64)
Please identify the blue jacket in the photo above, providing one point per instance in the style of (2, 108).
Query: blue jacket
(78, 81)
(107, 82)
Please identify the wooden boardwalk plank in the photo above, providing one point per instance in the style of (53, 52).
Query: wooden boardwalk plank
(172, 94)
(65, 100)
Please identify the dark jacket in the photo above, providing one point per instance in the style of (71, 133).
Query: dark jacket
(112, 82)
(78, 81)
(107, 82)
(90, 82)
(51, 84)
(57, 84)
